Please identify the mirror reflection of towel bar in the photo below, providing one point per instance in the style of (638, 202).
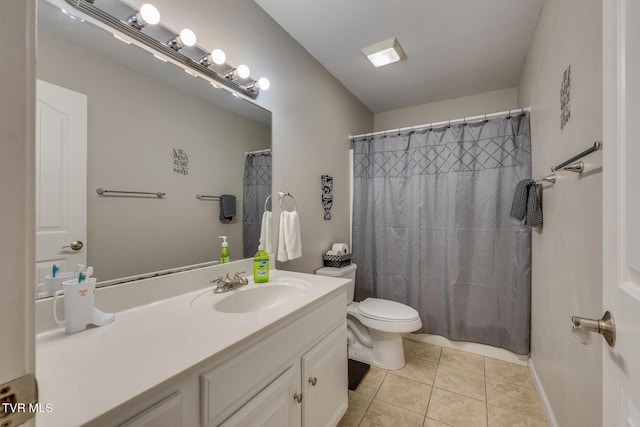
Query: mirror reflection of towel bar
(103, 192)
(203, 197)
(282, 195)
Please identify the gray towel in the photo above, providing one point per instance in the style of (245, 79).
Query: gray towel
(227, 207)
(526, 204)
(534, 208)
(520, 195)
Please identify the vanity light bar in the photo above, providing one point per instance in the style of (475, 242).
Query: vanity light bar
(245, 86)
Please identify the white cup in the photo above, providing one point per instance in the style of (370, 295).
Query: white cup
(79, 304)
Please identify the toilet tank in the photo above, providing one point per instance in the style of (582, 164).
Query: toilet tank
(346, 272)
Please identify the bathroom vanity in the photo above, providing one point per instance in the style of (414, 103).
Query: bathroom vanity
(266, 354)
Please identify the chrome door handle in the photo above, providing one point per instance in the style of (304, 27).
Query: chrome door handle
(582, 328)
(76, 245)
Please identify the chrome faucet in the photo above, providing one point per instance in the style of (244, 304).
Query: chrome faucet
(228, 283)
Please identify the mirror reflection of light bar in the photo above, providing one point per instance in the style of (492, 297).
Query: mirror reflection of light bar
(72, 16)
(122, 39)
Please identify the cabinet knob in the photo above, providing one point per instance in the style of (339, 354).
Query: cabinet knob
(313, 381)
(298, 397)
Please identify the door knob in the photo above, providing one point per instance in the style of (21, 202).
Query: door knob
(582, 328)
(76, 245)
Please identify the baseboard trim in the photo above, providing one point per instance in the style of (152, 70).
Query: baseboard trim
(545, 400)
(471, 347)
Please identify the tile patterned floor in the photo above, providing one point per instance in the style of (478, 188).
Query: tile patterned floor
(442, 387)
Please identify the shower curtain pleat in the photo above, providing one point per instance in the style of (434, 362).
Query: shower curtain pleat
(431, 228)
(256, 187)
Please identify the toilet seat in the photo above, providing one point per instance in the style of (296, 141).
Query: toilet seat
(375, 317)
(382, 309)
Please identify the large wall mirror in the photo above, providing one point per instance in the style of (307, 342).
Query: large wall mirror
(148, 126)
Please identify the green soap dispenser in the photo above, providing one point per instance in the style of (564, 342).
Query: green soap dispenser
(261, 265)
(224, 252)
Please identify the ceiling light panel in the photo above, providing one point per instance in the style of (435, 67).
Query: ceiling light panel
(384, 52)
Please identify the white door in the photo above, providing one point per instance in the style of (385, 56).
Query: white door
(61, 179)
(621, 214)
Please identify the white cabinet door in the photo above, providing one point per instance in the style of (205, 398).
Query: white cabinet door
(275, 406)
(324, 378)
(166, 413)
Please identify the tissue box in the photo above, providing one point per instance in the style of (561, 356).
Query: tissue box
(336, 261)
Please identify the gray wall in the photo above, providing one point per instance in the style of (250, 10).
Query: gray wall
(466, 106)
(567, 252)
(134, 123)
(313, 114)
(17, 172)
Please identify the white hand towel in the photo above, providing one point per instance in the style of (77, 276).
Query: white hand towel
(292, 239)
(282, 251)
(289, 243)
(266, 231)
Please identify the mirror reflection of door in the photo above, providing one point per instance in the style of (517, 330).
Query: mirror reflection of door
(61, 180)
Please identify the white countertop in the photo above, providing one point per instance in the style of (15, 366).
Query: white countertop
(86, 374)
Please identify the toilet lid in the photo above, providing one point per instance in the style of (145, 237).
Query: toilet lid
(383, 309)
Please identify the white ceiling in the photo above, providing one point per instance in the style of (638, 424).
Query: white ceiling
(454, 47)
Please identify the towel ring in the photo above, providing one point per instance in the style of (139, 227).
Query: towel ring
(282, 196)
(265, 203)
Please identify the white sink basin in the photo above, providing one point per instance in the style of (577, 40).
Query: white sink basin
(254, 297)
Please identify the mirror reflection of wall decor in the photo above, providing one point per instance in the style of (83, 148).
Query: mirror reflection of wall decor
(139, 108)
(327, 195)
(565, 98)
(180, 161)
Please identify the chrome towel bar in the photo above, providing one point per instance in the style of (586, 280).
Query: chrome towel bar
(549, 178)
(596, 146)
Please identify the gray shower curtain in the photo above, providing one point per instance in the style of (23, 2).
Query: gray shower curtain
(256, 188)
(431, 228)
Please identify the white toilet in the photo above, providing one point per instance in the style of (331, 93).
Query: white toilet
(375, 326)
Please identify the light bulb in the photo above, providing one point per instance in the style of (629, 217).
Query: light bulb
(263, 83)
(188, 37)
(243, 71)
(149, 14)
(218, 57)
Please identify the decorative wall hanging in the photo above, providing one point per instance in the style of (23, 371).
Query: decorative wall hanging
(180, 161)
(565, 97)
(327, 195)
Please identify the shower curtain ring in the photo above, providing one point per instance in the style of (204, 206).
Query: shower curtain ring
(522, 113)
(449, 125)
(485, 118)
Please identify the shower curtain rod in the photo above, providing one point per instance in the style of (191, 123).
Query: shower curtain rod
(443, 123)
(254, 153)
